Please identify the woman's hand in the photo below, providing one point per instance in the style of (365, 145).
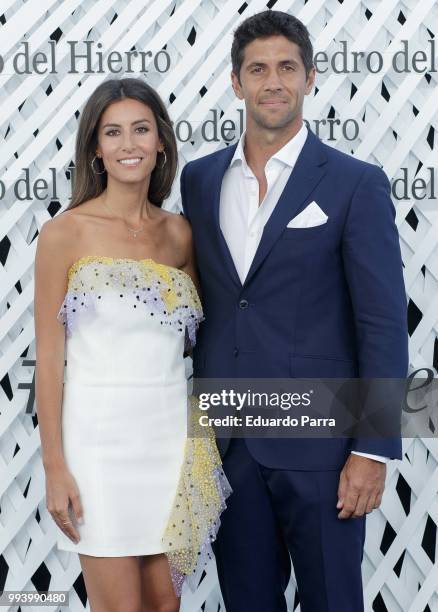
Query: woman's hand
(61, 490)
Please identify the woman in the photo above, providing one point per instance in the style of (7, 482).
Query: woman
(122, 477)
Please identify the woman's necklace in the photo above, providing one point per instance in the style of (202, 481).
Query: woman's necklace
(133, 231)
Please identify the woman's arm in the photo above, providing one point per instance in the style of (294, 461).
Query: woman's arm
(180, 235)
(50, 289)
(51, 265)
(187, 247)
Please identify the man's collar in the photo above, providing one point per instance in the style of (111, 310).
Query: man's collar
(288, 153)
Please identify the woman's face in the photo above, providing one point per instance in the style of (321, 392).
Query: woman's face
(128, 141)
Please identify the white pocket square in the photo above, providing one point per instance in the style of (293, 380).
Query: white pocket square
(311, 216)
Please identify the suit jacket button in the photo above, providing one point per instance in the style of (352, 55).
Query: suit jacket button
(236, 352)
(243, 304)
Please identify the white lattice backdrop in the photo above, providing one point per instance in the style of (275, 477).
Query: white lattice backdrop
(397, 117)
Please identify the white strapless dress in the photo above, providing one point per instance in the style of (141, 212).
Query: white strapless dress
(124, 410)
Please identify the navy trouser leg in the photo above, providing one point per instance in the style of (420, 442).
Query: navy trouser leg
(326, 551)
(251, 557)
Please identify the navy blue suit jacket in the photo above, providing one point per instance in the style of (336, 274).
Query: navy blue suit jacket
(327, 301)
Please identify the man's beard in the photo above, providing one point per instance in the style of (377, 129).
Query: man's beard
(274, 123)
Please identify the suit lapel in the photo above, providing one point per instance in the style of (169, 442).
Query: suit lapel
(307, 173)
(218, 171)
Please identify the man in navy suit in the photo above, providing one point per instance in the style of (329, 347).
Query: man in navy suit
(301, 274)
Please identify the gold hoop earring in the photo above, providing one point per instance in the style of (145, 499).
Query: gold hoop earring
(164, 162)
(92, 167)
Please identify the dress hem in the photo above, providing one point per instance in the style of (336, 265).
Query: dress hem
(101, 552)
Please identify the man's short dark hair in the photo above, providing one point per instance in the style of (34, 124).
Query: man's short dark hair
(271, 23)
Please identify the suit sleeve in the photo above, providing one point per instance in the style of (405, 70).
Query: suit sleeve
(374, 272)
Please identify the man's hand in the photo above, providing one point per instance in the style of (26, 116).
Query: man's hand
(361, 486)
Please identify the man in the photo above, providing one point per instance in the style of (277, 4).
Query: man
(317, 296)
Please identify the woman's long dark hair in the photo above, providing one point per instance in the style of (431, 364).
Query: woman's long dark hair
(87, 184)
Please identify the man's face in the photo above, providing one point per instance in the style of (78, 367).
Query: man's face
(273, 82)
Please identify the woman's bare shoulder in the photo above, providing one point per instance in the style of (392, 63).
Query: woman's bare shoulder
(70, 221)
(66, 230)
(179, 229)
(179, 237)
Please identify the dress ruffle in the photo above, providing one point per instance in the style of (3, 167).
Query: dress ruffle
(199, 501)
(160, 290)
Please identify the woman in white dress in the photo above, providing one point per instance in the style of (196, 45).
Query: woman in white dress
(131, 490)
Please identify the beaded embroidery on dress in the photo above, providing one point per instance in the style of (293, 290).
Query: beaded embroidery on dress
(162, 291)
(200, 500)
(146, 486)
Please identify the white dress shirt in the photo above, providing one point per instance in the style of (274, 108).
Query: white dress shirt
(242, 219)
